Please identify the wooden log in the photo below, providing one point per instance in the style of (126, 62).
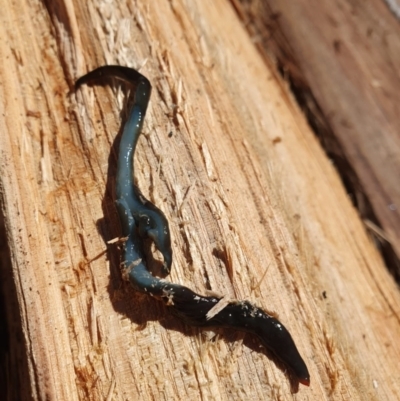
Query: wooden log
(342, 62)
(256, 210)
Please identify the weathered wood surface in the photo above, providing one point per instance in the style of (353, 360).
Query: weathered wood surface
(256, 210)
(343, 59)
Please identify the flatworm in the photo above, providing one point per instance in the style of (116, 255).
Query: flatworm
(141, 219)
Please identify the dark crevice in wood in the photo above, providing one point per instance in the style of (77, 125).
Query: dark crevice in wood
(350, 180)
(14, 376)
(263, 25)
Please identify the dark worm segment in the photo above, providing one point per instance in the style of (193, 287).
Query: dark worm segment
(194, 310)
(150, 220)
(140, 219)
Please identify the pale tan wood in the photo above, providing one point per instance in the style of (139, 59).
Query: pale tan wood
(242, 180)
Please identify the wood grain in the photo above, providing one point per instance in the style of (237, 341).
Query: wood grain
(256, 211)
(343, 62)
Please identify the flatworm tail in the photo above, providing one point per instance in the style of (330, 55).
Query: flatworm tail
(194, 309)
(244, 316)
